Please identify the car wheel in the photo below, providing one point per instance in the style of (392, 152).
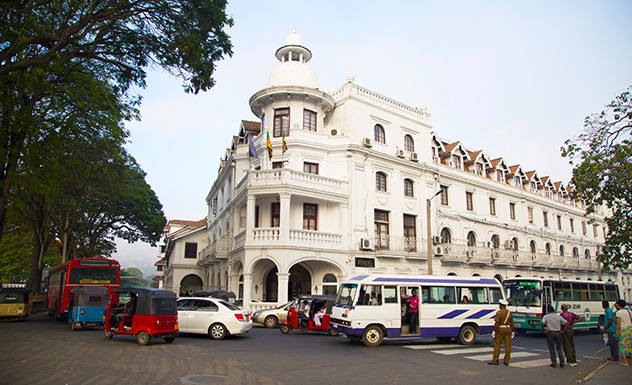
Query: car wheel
(170, 339)
(217, 331)
(467, 335)
(107, 333)
(271, 321)
(373, 336)
(142, 338)
(354, 338)
(285, 329)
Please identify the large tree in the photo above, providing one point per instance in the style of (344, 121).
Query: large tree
(44, 44)
(602, 159)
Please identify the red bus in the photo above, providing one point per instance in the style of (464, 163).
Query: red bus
(79, 272)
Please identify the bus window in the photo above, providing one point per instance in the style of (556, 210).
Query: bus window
(474, 295)
(346, 294)
(390, 294)
(494, 295)
(597, 292)
(523, 293)
(580, 291)
(438, 294)
(93, 275)
(372, 295)
(562, 291)
(611, 293)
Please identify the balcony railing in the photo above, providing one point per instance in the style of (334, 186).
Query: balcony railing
(213, 252)
(293, 178)
(398, 243)
(297, 237)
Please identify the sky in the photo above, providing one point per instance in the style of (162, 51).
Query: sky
(514, 79)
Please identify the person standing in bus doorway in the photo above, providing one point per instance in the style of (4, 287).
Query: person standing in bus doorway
(568, 338)
(503, 331)
(610, 328)
(413, 311)
(554, 326)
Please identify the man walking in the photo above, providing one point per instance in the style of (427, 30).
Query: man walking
(568, 338)
(554, 326)
(610, 328)
(503, 331)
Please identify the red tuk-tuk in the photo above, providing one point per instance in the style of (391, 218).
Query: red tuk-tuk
(310, 312)
(142, 312)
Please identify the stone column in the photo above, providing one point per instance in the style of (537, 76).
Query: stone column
(282, 287)
(247, 290)
(250, 217)
(284, 225)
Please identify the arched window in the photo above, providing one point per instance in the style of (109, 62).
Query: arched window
(409, 145)
(380, 181)
(446, 237)
(575, 252)
(495, 241)
(378, 134)
(532, 247)
(476, 275)
(587, 253)
(547, 247)
(561, 250)
(451, 274)
(499, 278)
(514, 244)
(329, 284)
(471, 239)
(409, 188)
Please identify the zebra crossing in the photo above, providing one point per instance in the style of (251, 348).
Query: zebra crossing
(520, 357)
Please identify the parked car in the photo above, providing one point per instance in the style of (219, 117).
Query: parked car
(240, 302)
(270, 318)
(212, 316)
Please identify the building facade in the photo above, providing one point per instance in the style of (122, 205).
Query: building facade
(344, 186)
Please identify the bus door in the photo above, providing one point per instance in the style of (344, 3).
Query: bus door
(410, 309)
(547, 297)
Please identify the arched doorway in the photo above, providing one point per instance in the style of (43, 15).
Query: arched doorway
(189, 284)
(272, 285)
(300, 282)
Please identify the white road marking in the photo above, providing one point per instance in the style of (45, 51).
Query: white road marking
(464, 351)
(530, 364)
(487, 357)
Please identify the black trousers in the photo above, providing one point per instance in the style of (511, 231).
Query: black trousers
(554, 342)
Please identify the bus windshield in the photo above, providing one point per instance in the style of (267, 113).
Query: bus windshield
(523, 293)
(346, 294)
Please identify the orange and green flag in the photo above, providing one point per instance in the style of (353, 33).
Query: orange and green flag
(269, 144)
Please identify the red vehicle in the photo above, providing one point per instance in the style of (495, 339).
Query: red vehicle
(75, 273)
(142, 312)
(305, 320)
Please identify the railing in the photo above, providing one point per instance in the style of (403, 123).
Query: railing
(398, 243)
(263, 234)
(216, 250)
(289, 177)
(318, 237)
(255, 306)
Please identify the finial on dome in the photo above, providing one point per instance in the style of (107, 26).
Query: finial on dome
(350, 77)
(423, 107)
(326, 89)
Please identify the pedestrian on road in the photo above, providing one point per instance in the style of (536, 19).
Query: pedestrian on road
(610, 328)
(568, 338)
(624, 331)
(503, 331)
(554, 326)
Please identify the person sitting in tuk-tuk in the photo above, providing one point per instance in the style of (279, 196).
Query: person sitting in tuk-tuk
(318, 317)
(303, 315)
(124, 311)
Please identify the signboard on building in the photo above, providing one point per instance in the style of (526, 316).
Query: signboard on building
(365, 262)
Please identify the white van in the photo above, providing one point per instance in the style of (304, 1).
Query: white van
(369, 308)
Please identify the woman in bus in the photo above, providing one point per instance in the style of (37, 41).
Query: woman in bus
(624, 331)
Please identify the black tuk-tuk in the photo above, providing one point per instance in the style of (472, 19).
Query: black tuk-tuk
(142, 312)
(15, 302)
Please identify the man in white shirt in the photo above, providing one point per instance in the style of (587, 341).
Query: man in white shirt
(554, 325)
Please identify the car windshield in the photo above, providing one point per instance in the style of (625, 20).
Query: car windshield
(229, 305)
(523, 293)
(346, 294)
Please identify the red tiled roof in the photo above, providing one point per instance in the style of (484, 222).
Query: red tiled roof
(252, 127)
(181, 222)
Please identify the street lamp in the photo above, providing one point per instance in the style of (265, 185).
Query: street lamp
(429, 234)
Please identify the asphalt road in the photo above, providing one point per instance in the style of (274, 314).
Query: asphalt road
(43, 351)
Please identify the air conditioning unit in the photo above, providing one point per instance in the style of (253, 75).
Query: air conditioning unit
(436, 240)
(399, 153)
(366, 142)
(439, 251)
(414, 157)
(365, 244)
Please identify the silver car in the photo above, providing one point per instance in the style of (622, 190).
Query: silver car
(270, 318)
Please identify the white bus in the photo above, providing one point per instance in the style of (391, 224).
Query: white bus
(529, 298)
(369, 308)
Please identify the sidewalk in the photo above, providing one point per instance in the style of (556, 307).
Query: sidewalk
(609, 373)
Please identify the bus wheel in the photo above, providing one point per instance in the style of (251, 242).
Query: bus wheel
(107, 333)
(142, 338)
(354, 338)
(467, 335)
(285, 329)
(373, 336)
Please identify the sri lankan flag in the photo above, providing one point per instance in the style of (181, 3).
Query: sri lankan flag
(284, 143)
(269, 144)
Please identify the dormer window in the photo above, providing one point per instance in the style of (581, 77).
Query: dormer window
(456, 162)
(479, 169)
(500, 176)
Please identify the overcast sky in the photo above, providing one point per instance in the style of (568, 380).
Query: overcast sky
(515, 79)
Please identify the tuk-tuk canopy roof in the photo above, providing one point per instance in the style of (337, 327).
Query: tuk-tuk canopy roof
(14, 295)
(91, 296)
(151, 301)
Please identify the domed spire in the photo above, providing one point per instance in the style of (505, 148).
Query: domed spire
(350, 77)
(293, 50)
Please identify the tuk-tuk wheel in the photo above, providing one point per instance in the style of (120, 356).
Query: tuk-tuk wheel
(142, 338)
(73, 326)
(107, 333)
(285, 329)
(170, 339)
(333, 332)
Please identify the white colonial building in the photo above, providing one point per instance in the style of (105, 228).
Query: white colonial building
(349, 196)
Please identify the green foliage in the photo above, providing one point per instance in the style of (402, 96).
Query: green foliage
(602, 156)
(133, 277)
